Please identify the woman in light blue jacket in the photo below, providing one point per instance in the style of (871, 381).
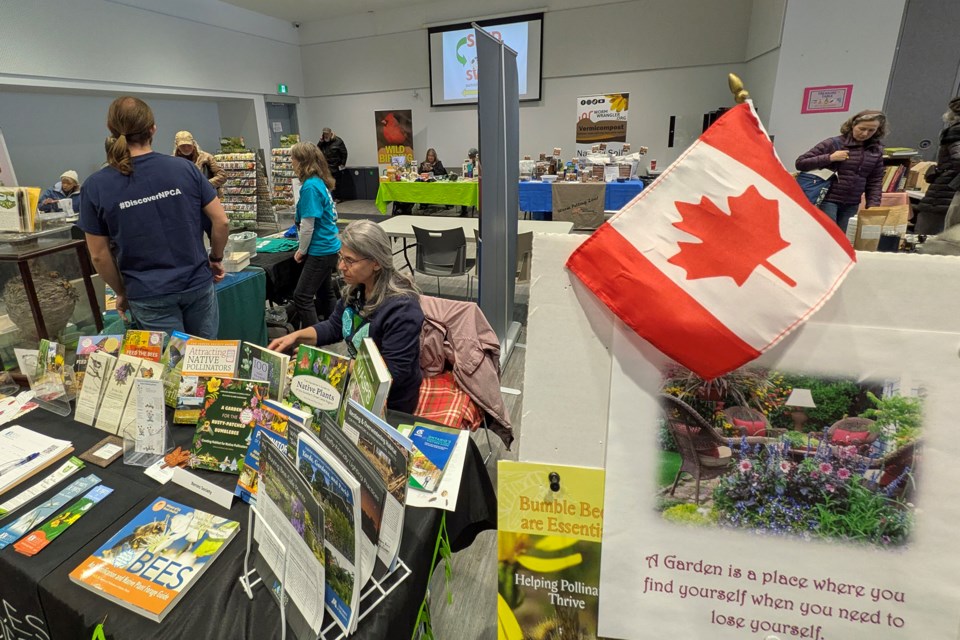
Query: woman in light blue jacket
(318, 233)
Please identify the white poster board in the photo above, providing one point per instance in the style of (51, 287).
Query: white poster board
(892, 318)
(7, 177)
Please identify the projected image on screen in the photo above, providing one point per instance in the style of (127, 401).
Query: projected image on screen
(460, 58)
(454, 73)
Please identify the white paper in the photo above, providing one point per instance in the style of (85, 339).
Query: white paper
(65, 470)
(205, 488)
(107, 451)
(158, 472)
(446, 494)
(17, 443)
(897, 594)
(146, 369)
(119, 386)
(15, 406)
(150, 417)
(100, 365)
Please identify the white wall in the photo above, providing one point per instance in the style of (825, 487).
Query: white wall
(99, 41)
(356, 65)
(763, 53)
(831, 42)
(48, 133)
(182, 56)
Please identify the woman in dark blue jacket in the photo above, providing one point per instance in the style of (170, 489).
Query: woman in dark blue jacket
(378, 302)
(857, 157)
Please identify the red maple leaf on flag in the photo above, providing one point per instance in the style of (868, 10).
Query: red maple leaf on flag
(731, 245)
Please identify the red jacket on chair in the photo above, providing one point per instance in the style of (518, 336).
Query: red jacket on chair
(457, 333)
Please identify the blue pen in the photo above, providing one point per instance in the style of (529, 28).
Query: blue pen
(18, 463)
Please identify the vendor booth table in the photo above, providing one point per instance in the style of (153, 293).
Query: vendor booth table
(536, 197)
(40, 601)
(241, 298)
(461, 192)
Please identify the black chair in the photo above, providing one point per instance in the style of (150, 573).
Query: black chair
(443, 254)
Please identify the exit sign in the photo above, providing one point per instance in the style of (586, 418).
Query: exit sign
(281, 88)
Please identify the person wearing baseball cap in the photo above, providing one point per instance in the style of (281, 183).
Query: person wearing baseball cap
(68, 187)
(184, 146)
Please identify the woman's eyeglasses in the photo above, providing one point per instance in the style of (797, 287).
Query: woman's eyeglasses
(349, 261)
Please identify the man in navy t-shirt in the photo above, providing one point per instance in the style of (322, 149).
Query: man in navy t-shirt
(154, 217)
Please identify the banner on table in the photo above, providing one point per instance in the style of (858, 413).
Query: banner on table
(602, 119)
(394, 136)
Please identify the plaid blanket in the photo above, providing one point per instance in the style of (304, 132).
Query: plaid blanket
(443, 401)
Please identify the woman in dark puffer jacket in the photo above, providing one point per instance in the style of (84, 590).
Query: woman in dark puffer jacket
(857, 157)
(944, 178)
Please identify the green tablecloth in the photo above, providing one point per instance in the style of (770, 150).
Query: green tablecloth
(242, 300)
(461, 192)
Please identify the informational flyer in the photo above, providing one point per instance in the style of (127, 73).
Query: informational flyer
(832, 522)
(550, 523)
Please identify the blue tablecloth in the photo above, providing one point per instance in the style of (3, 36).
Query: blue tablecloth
(537, 197)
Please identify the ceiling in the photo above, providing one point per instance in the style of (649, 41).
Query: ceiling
(310, 10)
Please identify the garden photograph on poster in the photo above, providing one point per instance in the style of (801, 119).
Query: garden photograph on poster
(781, 454)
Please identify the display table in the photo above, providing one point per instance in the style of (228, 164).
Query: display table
(40, 599)
(461, 192)
(282, 273)
(242, 297)
(537, 197)
(401, 227)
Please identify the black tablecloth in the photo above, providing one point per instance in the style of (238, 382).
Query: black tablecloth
(282, 271)
(38, 595)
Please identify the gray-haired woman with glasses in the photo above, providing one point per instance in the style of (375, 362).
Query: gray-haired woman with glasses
(378, 302)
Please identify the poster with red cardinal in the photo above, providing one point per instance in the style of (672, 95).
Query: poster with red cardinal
(394, 136)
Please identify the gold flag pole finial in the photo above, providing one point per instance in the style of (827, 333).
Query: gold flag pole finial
(740, 94)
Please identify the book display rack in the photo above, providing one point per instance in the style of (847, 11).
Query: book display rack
(374, 592)
(246, 193)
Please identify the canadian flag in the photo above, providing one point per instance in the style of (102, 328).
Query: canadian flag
(721, 257)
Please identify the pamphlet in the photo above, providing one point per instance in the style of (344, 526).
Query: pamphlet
(550, 524)
(431, 451)
(97, 372)
(13, 531)
(339, 492)
(63, 472)
(36, 541)
(293, 512)
(88, 345)
(389, 453)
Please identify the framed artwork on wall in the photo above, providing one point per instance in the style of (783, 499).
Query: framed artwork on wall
(828, 99)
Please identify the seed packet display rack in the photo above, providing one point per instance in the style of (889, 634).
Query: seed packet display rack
(373, 593)
(246, 193)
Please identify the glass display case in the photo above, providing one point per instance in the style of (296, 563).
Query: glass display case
(46, 290)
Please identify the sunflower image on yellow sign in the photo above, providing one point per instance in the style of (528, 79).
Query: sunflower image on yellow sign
(602, 118)
(550, 527)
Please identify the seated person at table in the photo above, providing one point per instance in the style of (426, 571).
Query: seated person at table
(432, 164)
(68, 187)
(378, 301)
